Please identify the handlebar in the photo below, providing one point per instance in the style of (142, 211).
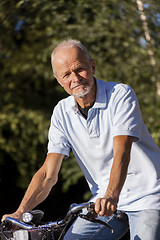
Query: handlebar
(78, 207)
(75, 209)
(18, 223)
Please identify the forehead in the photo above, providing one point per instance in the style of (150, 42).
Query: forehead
(68, 56)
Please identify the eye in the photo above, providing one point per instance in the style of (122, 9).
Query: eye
(66, 75)
(79, 70)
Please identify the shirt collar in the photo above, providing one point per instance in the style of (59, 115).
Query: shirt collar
(101, 98)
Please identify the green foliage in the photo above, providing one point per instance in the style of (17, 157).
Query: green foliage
(29, 30)
(23, 135)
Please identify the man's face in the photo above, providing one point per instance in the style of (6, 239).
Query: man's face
(74, 71)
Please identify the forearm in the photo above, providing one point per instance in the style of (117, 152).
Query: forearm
(118, 175)
(37, 191)
(121, 159)
(121, 149)
(40, 185)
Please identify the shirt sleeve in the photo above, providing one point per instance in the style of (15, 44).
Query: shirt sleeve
(127, 119)
(57, 141)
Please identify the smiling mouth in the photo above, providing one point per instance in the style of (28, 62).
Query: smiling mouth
(78, 85)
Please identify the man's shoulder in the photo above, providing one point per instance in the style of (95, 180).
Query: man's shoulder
(112, 86)
(115, 91)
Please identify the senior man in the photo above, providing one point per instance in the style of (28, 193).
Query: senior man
(101, 122)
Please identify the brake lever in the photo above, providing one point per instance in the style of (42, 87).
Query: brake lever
(90, 216)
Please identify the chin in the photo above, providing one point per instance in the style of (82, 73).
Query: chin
(82, 93)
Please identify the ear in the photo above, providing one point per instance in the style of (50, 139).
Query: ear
(93, 66)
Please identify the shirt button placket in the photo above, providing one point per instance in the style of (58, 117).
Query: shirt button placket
(92, 126)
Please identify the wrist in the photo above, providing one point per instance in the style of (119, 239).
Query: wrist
(112, 195)
(21, 210)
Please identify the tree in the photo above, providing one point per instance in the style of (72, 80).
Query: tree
(113, 33)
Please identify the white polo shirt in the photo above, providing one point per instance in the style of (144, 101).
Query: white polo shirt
(115, 112)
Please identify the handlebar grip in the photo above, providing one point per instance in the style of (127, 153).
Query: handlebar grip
(18, 223)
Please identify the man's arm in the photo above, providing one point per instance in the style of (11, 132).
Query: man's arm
(40, 186)
(121, 156)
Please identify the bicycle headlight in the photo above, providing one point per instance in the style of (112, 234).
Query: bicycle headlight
(27, 217)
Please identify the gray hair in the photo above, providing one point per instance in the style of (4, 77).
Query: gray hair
(69, 44)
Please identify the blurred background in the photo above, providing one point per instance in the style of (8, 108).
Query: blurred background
(122, 36)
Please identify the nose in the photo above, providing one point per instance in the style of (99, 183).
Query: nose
(75, 77)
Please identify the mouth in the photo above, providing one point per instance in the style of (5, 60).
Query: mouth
(77, 86)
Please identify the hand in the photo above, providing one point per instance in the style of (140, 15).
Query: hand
(105, 206)
(13, 215)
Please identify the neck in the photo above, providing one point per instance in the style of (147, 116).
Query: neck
(88, 99)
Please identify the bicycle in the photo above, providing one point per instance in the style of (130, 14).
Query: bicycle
(32, 227)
